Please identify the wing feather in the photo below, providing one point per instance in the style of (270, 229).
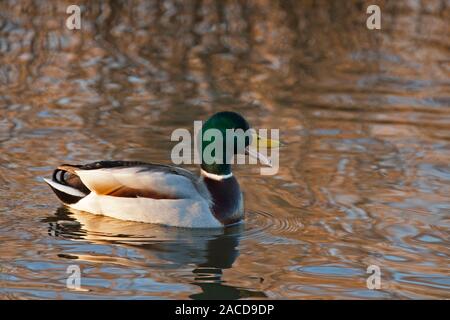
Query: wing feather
(151, 181)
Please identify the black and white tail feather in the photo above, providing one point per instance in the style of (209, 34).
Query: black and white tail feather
(67, 186)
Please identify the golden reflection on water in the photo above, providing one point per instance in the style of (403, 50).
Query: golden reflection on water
(364, 177)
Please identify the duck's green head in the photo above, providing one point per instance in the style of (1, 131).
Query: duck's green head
(223, 135)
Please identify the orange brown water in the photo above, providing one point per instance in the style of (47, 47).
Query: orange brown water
(364, 177)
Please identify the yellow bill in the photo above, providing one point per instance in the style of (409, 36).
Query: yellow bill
(259, 143)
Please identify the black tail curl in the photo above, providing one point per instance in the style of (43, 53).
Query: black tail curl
(63, 175)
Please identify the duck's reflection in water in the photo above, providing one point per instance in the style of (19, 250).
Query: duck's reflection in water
(210, 250)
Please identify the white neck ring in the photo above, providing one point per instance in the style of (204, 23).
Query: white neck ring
(216, 177)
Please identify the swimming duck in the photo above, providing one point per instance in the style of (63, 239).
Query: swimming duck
(162, 194)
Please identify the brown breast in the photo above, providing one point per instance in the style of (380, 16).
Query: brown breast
(226, 196)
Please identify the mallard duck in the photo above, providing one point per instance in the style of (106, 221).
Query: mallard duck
(157, 193)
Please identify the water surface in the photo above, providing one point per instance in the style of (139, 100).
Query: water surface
(364, 177)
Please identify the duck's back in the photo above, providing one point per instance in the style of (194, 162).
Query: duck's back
(136, 191)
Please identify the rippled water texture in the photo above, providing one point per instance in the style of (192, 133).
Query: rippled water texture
(364, 177)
